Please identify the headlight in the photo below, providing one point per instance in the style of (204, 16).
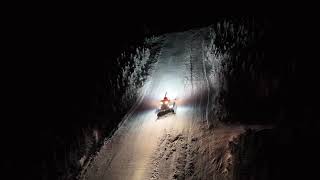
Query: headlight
(166, 102)
(161, 102)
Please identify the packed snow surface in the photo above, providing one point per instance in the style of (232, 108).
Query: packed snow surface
(175, 146)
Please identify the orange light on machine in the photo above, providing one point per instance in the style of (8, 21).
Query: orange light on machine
(166, 102)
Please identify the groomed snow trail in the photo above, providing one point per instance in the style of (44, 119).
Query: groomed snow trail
(174, 146)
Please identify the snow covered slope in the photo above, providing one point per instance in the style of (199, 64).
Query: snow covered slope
(180, 146)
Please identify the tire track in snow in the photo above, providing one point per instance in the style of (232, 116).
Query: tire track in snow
(174, 157)
(207, 83)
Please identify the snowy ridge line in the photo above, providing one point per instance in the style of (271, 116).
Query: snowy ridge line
(207, 83)
(139, 101)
